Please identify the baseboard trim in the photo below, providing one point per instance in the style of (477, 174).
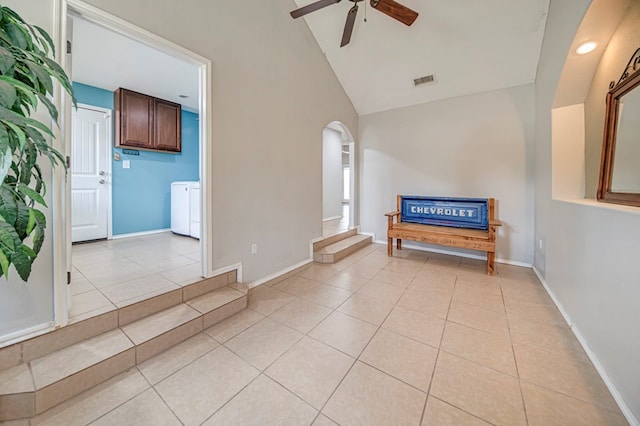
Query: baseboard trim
(457, 253)
(332, 218)
(617, 396)
(140, 234)
(280, 274)
(26, 334)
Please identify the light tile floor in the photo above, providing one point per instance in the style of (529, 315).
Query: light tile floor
(335, 226)
(417, 339)
(111, 274)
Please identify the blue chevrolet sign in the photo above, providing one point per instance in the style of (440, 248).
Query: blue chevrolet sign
(445, 211)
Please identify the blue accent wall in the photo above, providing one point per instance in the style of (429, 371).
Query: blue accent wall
(141, 195)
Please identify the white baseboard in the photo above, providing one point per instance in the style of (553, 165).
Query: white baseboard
(279, 273)
(457, 253)
(140, 234)
(332, 218)
(28, 333)
(617, 396)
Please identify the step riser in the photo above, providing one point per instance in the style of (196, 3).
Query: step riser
(335, 257)
(318, 245)
(84, 380)
(169, 339)
(37, 347)
(28, 404)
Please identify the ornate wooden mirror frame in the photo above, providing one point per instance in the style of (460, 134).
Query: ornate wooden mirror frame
(629, 80)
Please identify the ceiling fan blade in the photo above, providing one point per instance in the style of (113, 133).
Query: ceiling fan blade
(395, 10)
(348, 26)
(312, 7)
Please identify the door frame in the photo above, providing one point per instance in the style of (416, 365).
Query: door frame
(109, 154)
(61, 199)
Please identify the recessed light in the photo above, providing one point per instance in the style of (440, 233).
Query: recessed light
(587, 47)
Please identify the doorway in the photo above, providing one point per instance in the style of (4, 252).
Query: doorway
(134, 259)
(338, 185)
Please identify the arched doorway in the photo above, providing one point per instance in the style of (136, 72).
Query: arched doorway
(338, 179)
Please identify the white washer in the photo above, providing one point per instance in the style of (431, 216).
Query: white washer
(194, 210)
(180, 215)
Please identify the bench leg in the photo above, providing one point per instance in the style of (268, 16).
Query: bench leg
(399, 244)
(491, 263)
(389, 246)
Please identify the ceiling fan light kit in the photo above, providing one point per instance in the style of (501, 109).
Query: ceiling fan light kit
(389, 7)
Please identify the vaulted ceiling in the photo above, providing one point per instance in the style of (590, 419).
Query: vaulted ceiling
(470, 46)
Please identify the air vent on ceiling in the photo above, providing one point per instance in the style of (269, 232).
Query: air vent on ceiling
(423, 80)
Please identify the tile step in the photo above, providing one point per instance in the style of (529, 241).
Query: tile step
(341, 249)
(334, 238)
(32, 388)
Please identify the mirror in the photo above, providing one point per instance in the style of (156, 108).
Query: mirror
(620, 164)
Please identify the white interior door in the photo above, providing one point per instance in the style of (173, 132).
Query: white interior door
(90, 177)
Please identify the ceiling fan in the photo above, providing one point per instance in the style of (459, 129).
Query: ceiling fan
(388, 7)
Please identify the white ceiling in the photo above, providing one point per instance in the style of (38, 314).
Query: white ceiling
(108, 60)
(470, 45)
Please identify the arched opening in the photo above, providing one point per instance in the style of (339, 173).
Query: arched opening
(338, 179)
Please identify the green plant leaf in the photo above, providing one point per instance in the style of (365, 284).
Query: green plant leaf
(38, 233)
(6, 60)
(22, 219)
(17, 35)
(8, 209)
(8, 95)
(53, 111)
(29, 192)
(22, 263)
(47, 38)
(4, 264)
(8, 238)
(5, 159)
(44, 78)
(31, 224)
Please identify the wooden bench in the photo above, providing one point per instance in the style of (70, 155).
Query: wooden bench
(457, 222)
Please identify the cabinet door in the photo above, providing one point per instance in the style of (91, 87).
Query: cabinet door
(136, 113)
(167, 127)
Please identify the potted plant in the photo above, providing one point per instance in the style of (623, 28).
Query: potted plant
(27, 73)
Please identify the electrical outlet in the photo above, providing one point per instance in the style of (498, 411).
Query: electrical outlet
(254, 248)
(540, 244)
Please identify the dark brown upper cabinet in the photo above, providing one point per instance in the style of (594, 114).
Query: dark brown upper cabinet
(145, 122)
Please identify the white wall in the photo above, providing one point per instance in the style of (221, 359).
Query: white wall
(25, 306)
(471, 146)
(273, 93)
(331, 174)
(589, 261)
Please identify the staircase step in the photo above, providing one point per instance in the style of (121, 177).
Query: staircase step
(341, 249)
(334, 238)
(32, 388)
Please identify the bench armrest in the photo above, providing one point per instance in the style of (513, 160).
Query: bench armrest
(495, 222)
(391, 214)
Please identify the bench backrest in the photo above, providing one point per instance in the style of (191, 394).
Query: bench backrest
(473, 213)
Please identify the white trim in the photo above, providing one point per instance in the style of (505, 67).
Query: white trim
(61, 186)
(140, 234)
(237, 267)
(617, 396)
(332, 218)
(279, 273)
(457, 253)
(29, 333)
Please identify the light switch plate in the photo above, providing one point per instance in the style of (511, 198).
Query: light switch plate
(126, 164)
